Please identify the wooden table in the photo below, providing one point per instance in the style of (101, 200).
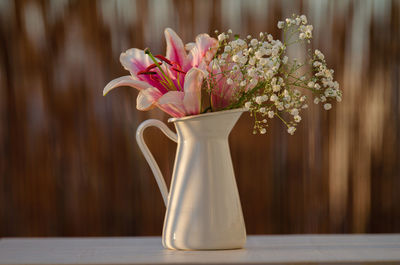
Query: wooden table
(288, 249)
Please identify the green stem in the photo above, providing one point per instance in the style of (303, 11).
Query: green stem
(276, 113)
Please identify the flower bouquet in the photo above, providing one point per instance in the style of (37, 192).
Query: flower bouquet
(205, 86)
(228, 72)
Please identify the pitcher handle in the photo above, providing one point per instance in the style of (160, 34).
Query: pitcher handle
(149, 157)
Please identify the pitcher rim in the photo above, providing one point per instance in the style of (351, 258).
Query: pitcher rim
(197, 116)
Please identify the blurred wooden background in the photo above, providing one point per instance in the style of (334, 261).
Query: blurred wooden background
(69, 163)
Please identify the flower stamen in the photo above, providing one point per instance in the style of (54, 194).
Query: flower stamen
(178, 70)
(151, 67)
(162, 58)
(158, 65)
(144, 72)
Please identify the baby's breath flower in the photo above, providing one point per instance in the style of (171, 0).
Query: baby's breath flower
(271, 114)
(305, 32)
(327, 106)
(258, 54)
(254, 42)
(235, 68)
(281, 24)
(303, 19)
(294, 112)
(253, 82)
(252, 61)
(276, 88)
(291, 130)
(222, 37)
(297, 118)
(263, 61)
(319, 54)
(258, 100)
(273, 98)
(317, 64)
(269, 74)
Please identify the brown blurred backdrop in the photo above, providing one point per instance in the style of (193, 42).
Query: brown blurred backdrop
(69, 163)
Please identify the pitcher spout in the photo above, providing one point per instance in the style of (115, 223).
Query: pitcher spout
(209, 125)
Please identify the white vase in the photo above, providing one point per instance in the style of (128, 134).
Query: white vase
(203, 205)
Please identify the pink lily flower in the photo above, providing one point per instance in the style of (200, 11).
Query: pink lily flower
(172, 83)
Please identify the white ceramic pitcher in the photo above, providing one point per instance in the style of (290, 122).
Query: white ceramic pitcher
(203, 205)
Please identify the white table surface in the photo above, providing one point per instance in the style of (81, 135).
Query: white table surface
(287, 249)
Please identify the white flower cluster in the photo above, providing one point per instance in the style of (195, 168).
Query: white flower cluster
(247, 62)
(325, 87)
(266, 82)
(305, 31)
(282, 99)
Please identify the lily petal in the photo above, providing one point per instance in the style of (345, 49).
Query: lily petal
(125, 81)
(172, 97)
(135, 60)
(192, 88)
(172, 103)
(204, 51)
(175, 48)
(189, 46)
(172, 110)
(147, 98)
(207, 46)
